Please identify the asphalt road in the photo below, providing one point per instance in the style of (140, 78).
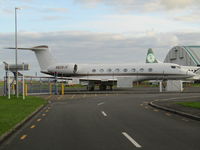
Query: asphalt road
(106, 122)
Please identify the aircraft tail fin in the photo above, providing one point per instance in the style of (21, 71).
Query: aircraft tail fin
(150, 58)
(44, 57)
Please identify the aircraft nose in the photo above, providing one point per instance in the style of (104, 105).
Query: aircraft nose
(190, 74)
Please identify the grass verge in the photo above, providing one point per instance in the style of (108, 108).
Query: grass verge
(190, 104)
(15, 110)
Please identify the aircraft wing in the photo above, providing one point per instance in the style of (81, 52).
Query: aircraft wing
(97, 78)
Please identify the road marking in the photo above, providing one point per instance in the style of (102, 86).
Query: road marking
(141, 104)
(131, 140)
(156, 110)
(100, 103)
(168, 114)
(59, 97)
(146, 107)
(103, 113)
(33, 126)
(49, 97)
(43, 114)
(23, 137)
(185, 120)
(38, 120)
(72, 96)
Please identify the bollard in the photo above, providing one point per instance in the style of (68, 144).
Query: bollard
(26, 90)
(62, 89)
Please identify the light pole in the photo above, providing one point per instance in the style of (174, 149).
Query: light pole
(16, 90)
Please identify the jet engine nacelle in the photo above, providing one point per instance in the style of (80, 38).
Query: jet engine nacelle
(65, 69)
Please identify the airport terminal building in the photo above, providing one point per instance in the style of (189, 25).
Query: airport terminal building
(184, 55)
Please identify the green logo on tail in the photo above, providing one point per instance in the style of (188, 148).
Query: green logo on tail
(150, 57)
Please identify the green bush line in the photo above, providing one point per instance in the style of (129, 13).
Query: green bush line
(13, 111)
(190, 104)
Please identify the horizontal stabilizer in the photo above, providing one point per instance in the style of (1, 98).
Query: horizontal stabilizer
(43, 55)
(36, 48)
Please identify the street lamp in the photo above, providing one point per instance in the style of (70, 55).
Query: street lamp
(16, 90)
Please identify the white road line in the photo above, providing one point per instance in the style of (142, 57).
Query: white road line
(100, 103)
(131, 140)
(103, 113)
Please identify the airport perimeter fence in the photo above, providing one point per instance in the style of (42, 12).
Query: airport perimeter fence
(48, 85)
(34, 86)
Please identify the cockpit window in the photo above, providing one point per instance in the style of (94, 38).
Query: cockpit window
(179, 67)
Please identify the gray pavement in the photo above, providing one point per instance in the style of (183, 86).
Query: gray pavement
(106, 122)
(172, 104)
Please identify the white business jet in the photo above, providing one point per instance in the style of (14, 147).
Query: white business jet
(150, 58)
(107, 74)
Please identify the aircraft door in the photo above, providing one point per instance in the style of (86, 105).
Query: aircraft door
(75, 68)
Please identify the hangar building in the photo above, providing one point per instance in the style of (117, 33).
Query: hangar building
(184, 55)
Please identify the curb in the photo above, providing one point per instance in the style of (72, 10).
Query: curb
(175, 111)
(20, 124)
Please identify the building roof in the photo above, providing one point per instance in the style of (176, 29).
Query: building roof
(194, 52)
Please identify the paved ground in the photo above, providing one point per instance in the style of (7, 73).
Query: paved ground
(172, 104)
(106, 122)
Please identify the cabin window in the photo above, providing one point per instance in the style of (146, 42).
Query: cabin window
(93, 70)
(173, 67)
(109, 70)
(133, 70)
(117, 70)
(150, 69)
(125, 69)
(141, 69)
(101, 70)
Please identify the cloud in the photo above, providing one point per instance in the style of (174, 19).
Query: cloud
(52, 18)
(132, 24)
(172, 4)
(56, 10)
(192, 17)
(93, 47)
(143, 5)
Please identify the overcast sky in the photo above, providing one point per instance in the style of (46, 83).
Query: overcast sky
(98, 31)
